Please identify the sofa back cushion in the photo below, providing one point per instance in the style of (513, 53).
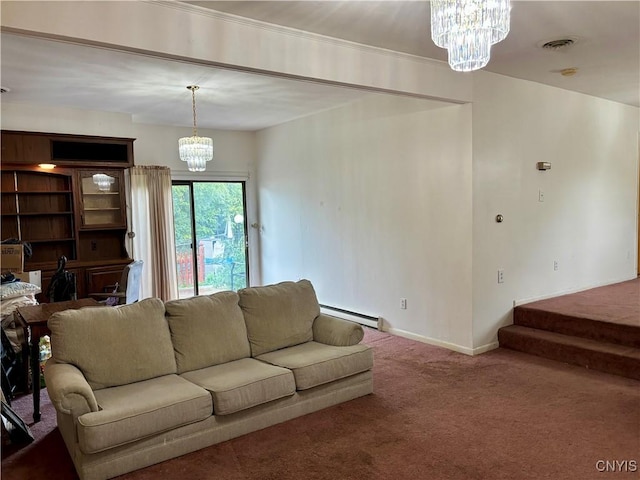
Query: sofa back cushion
(280, 315)
(114, 345)
(207, 330)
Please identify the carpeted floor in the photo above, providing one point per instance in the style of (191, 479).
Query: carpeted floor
(598, 329)
(435, 414)
(617, 303)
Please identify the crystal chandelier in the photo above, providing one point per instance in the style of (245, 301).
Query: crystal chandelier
(468, 28)
(103, 181)
(195, 150)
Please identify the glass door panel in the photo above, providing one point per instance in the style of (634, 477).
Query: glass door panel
(183, 224)
(211, 217)
(101, 199)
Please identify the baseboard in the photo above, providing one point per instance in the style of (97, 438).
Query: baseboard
(363, 319)
(517, 303)
(437, 343)
(485, 348)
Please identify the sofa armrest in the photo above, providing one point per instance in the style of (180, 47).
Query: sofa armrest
(68, 389)
(336, 331)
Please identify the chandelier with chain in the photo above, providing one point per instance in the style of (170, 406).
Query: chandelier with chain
(195, 150)
(468, 28)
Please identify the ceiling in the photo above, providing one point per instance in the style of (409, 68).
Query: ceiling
(606, 35)
(153, 90)
(606, 52)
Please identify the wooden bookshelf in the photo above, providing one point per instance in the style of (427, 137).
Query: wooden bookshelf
(62, 211)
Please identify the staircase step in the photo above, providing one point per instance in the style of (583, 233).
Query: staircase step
(620, 334)
(606, 357)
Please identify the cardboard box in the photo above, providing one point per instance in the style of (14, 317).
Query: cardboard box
(11, 258)
(34, 277)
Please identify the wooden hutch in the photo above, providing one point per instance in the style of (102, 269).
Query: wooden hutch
(62, 211)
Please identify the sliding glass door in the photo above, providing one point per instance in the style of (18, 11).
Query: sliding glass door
(211, 236)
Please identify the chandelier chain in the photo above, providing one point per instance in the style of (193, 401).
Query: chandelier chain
(193, 89)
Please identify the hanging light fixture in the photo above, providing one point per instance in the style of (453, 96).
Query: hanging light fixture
(195, 150)
(103, 181)
(468, 28)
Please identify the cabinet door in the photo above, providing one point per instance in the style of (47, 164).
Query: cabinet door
(101, 199)
(99, 278)
(25, 148)
(12, 150)
(47, 276)
(37, 149)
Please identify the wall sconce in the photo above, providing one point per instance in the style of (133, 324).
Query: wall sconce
(103, 181)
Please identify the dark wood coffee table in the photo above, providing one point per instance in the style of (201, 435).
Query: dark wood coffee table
(35, 317)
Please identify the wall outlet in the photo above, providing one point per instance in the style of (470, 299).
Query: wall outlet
(541, 195)
(403, 303)
(500, 276)
(555, 265)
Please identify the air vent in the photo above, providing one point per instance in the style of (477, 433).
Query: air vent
(558, 44)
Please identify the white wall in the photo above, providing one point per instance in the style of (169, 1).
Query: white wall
(372, 202)
(587, 222)
(391, 198)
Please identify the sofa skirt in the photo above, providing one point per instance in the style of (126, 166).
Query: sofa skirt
(215, 429)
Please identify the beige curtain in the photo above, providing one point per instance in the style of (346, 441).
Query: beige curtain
(152, 222)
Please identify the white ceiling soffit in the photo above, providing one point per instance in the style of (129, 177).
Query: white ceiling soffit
(606, 51)
(153, 90)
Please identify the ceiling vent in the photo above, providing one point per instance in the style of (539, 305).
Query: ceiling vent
(559, 44)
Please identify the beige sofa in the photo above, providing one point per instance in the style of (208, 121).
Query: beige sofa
(138, 384)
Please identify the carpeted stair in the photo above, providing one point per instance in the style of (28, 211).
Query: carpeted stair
(610, 344)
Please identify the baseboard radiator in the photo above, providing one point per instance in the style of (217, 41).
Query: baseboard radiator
(361, 318)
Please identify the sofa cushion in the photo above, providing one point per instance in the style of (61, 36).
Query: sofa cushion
(280, 315)
(243, 384)
(114, 345)
(207, 330)
(315, 363)
(137, 410)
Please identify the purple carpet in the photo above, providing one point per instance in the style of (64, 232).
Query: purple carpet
(598, 329)
(435, 414)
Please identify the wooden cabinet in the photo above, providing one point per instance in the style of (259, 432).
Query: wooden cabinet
(31, 148)
(64, 211)
(89, 279)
